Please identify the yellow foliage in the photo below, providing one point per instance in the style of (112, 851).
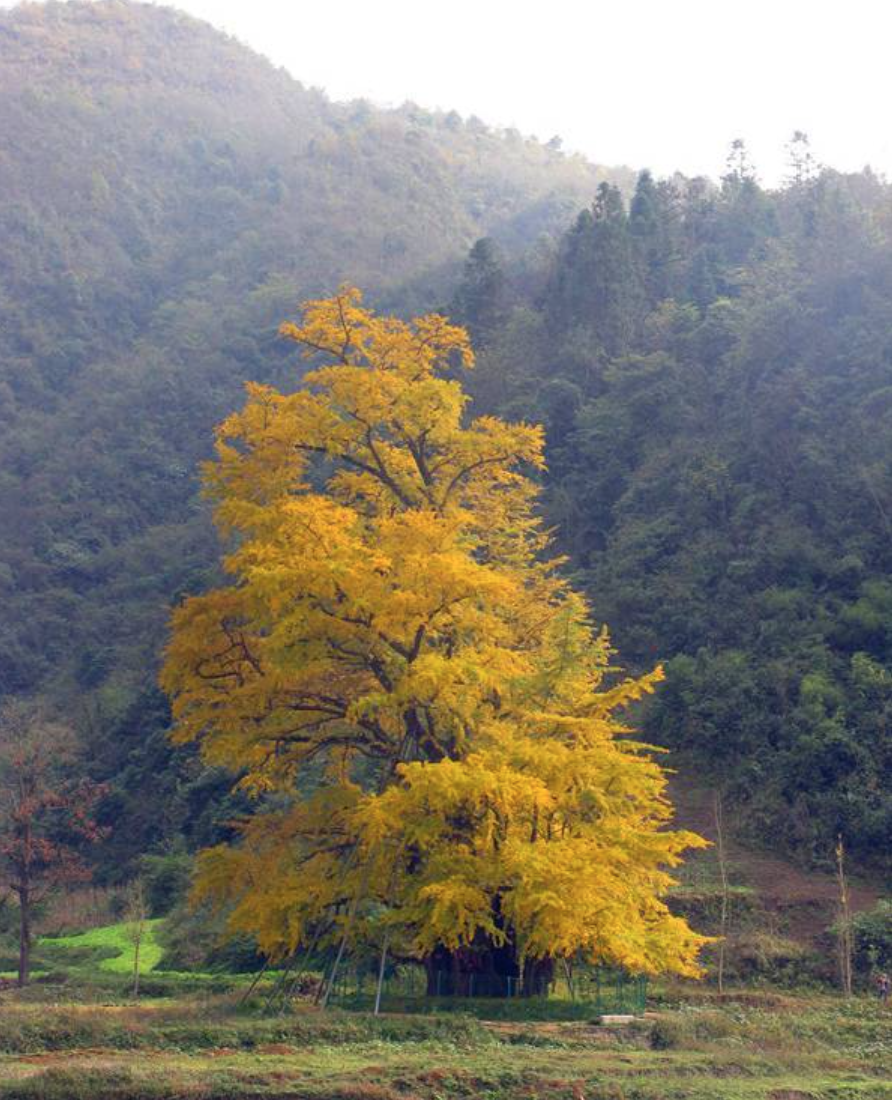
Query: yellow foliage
(400, 666)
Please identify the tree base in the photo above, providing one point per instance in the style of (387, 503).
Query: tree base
(486, 971)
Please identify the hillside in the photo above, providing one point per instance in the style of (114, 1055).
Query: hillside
(774, 896)
(169, 197)
(712, 363)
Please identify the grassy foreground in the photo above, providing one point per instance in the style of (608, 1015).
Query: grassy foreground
(755, 1046)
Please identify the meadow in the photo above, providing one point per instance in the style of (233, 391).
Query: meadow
(78, 1034)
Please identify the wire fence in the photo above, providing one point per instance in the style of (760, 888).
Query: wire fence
(601, 991)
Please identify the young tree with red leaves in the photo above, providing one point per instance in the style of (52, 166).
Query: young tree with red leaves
(46, 813)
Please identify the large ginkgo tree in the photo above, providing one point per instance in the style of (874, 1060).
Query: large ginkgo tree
(399, 674)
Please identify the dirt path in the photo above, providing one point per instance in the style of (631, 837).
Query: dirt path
(806, 900)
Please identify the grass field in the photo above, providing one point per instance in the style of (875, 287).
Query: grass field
(753, 1047)
(113, 945)
(79, 1035)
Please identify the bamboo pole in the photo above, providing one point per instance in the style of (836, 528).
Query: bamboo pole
(244, 997)
(844, 935)
(381, 966)
(723, 875)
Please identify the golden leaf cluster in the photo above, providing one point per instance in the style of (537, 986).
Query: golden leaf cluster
(399, 674)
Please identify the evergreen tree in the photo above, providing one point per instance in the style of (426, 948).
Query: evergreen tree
(480, 303)
(653, 229)
(596, 284)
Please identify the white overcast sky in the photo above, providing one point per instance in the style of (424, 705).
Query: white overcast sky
(659, 83)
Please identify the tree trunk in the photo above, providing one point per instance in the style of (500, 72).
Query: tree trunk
(538, 975)
(136, 967)
(844, 935)
(24, 937)
(485, 970)
(726, 893)
(381, 967)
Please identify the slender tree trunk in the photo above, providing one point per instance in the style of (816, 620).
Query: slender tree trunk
(381, 967)
(136, 928)
(136, 966)
(333, 977)
(254, 981)
(293, 989)
(844, 936)
(24, 937)
(280, 982)
(726, 896)
(568, 974)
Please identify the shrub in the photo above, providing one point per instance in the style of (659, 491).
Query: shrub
(194, 940)
(873, 937)
(665, 1035)
(166, 878)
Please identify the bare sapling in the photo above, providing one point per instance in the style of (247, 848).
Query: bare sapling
(137, 917)
(844, 938)
(725, 908)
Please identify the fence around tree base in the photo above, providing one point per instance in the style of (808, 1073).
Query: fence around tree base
(601, 991)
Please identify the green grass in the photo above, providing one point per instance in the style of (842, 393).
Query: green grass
(787, 1048)
(97, 966)
(111, 946)
(514, 1009)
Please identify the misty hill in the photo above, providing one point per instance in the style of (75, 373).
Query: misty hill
(168, 198)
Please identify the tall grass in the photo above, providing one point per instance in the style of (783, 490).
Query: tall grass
(80, 910)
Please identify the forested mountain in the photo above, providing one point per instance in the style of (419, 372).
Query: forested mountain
(714, 365)
(168, 197)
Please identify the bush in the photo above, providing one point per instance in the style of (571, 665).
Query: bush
(166, 879)
(688, 1029)
(873, 938)
(665, 1035)
(195, 940)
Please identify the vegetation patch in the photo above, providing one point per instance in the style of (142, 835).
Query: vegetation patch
(824, 1047)
(111, 947)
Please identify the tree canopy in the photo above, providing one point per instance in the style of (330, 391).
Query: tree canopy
(401, 676)
(46, 813)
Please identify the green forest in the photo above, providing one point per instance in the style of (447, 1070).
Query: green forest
(714, 370)
(711, 364)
